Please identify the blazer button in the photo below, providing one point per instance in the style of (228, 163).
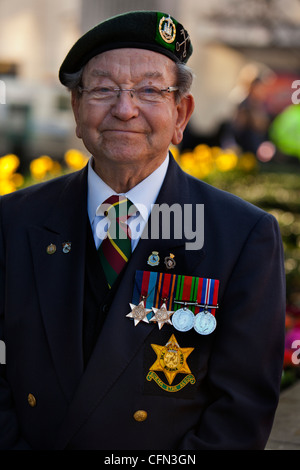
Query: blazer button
(31, 400)
(140, 415)
(105, 308)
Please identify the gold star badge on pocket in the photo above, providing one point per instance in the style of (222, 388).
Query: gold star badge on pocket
(172, 360)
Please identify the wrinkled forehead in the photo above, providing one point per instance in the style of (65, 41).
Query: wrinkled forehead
(130, 65)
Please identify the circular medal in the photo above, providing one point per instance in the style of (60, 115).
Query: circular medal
(205, 323)
(183, 319)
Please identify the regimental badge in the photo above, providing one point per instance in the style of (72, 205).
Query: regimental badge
(170, 261)
(167, 29)
(66, 247)
(171, 360)
(51, 249)
(153, 259)
(138, 313)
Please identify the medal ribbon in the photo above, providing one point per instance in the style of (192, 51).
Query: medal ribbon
(165, 290)
(207, 294)
(185, 291)
(153, 287)
(144, 288)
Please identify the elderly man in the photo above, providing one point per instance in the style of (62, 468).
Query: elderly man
(130, 319)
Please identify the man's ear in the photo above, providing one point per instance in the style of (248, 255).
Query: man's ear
(184, 112)
(75, 101)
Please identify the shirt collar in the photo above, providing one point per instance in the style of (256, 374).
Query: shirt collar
(142, 195)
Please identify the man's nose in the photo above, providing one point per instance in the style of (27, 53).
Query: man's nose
(125, 106)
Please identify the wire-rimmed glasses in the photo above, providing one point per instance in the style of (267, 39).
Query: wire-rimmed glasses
(144, 94)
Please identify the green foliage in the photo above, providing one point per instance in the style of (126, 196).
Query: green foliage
(277, 192)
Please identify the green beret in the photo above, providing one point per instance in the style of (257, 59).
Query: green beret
(151, 30)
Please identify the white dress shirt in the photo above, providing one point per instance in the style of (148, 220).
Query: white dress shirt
(143, 196)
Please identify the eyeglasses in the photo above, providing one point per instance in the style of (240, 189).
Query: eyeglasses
(145, 94)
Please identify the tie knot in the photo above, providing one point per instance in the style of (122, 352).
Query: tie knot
(115, 248)
(118, 207)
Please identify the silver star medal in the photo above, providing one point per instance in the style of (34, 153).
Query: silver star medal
(139, 313)
(162, 315)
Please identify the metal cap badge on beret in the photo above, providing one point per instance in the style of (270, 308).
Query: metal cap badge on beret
(151, 30)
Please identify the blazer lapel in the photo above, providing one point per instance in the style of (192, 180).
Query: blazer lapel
(58, 251)
(119, 340)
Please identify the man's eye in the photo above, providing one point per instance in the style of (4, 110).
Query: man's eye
(103, 89)
(149, 90)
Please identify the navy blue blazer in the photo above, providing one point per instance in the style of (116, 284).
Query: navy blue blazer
(237, 368)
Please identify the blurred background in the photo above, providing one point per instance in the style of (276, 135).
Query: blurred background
(244, 136)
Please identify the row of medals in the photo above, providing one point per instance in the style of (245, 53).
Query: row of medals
(183, 319)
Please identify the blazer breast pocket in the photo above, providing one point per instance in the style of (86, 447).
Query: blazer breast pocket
(175, 363)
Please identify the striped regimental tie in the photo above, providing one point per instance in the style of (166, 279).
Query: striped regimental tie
(115, 249)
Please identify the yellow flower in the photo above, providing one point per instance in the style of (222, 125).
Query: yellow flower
(17, 179)
(204, 161)
(226, 161)
(203, 153)
(39, 167)
(187, 162)
(9, 180)
(8, 165)
(6, 187)
(75, 159)
(175, 152)
(203, 170)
